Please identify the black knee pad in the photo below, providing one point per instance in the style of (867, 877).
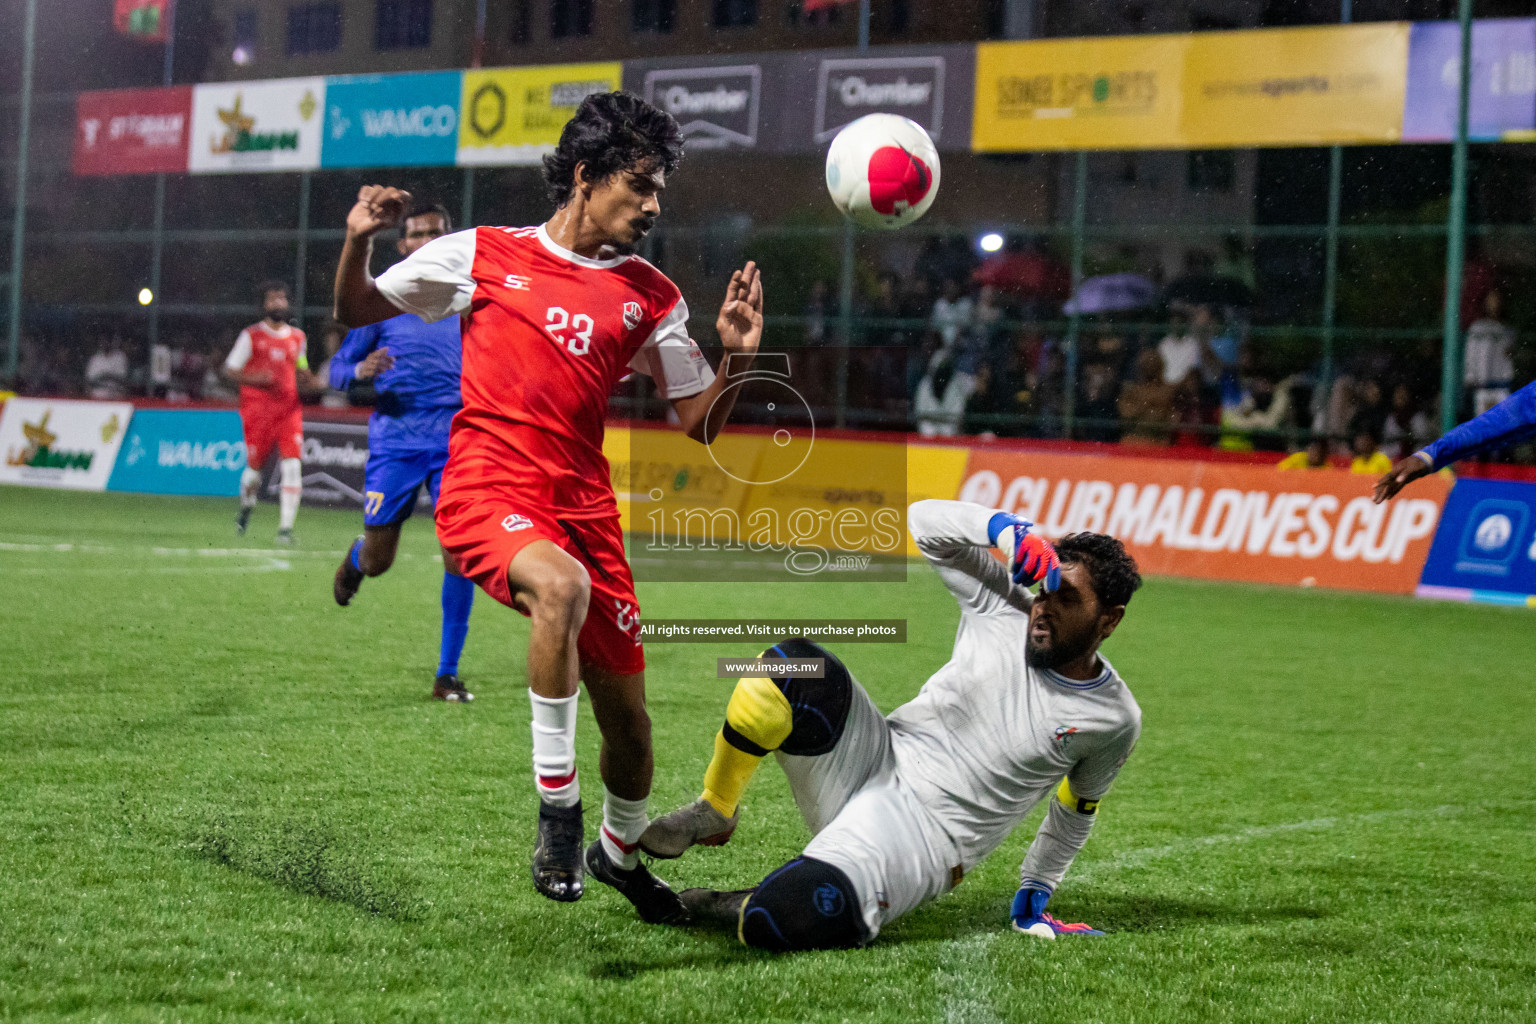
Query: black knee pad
(820, 706)
(806, 904)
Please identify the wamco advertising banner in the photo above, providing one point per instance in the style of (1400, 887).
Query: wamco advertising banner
(57, 443)
(132, 131)
(392, 120)
(274, 125)
(181, 451)
(1221, 520)
(513, 116)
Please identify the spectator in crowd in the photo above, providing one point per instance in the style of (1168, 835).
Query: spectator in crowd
(1488, 363)
(1098, 400)
(1005, 392)
(1369, 460)
(106, 375)
(1196, 408)
(939, 405)
(1190, 348)
(953, 313)
(943, 258)
(1146, 403)
(214, 387)
(1260, 405)
(1050, 393)
(1407, 428)
(817, 308)
(162, 367)
(1313, 456)
(187, 374)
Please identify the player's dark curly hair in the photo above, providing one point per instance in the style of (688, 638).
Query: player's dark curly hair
(1111, 569)
(423, 208)
(611, 132)
(272, 285)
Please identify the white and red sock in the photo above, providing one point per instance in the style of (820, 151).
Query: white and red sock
(554, 749)
(291, 473)
(250, 485)
(623, 823)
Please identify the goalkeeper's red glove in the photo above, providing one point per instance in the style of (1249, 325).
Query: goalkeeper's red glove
(1031, 559)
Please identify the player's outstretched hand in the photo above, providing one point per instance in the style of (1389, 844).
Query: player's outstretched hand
(1402, 473)
(1031, 559)
(377, 207)
(740, 323)
(376, 362)
(1029, 916)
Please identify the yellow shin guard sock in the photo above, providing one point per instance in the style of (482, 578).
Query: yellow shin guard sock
(727, 776)
(757, 720)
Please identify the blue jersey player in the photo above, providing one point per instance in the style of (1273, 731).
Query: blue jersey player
(1513, 419)
(414, 366)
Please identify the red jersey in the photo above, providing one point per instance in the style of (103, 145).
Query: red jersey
(282, 351)
(546, 334)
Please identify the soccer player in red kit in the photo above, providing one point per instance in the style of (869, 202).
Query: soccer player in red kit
(552, 318)
(269, 363)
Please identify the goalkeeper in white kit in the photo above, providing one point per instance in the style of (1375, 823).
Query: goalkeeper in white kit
(903, 806)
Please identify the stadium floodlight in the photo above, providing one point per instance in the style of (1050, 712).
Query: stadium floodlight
(146, 296)
(990, 242)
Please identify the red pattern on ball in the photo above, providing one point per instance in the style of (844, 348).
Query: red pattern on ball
(896, 176)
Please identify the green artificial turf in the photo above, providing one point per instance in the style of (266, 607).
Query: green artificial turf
(225, 798)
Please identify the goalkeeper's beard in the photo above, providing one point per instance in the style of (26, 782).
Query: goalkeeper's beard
(1056, 651)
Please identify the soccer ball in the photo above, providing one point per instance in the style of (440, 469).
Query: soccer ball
(883, 171)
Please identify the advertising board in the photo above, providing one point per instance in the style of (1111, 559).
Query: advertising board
(132, 131)
(47, 442)
(1485, 549)
(407, 120)
(181, 451)
(273, 125)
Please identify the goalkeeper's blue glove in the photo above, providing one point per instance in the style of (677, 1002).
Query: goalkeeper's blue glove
(1029, 916)
(1030, 558)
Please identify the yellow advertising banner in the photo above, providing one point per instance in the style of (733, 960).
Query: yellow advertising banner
(1265, 87)
(1112, 92)
(513, 116)
(1338, 84)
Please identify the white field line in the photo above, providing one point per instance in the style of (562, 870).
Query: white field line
(1148, 854)
(963, 961)
(278, 554)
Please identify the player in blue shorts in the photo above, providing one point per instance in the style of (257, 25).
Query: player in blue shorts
(1512, 420)
(414, 366)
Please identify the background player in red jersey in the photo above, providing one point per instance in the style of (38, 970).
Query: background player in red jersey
(552, 318)
(270, 365)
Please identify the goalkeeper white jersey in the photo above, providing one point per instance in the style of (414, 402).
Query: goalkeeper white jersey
(988, 737)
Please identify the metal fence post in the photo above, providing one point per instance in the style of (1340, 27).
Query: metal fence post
(845, 284)
(467, 199)
(1456, 238)
(19, 224)
(1331, 243)
(1074, 318)
(301, 254)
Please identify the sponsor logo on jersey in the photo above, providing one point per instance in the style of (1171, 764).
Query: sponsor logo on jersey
(519, 282)
(515, 522)
(1063, 731)
(631, 315)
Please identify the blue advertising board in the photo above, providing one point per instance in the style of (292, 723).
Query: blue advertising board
(1485, 548)
(1502, 98)
(181, 451)
(409, 120)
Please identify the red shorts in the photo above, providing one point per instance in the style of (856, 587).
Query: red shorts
(264, 431)
(483, 531)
